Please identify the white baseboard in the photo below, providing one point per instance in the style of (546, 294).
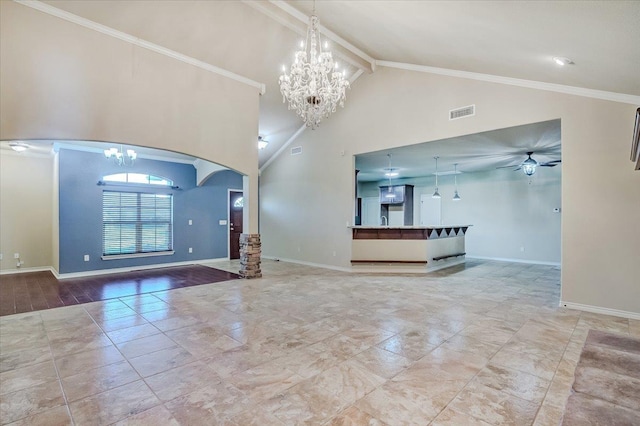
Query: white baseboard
(26, 270)
(600, 310)
(132, 268)
(315, 265)
(505, 259)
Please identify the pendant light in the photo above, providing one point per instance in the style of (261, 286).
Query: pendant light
(456, 196)
(436, 194)
(390, 193)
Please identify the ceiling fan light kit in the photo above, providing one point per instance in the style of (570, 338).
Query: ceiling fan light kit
(456, 196)
(315, 86)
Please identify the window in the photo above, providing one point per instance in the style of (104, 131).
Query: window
(238, 203)
(138, 178)
(136, 223)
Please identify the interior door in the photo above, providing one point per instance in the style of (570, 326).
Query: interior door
(236, 204)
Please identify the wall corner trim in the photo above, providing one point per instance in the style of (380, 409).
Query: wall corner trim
(62, 14)
(133, 268)
(600, 310)
(27, 270)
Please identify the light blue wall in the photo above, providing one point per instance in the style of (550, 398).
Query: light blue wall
(81, 211)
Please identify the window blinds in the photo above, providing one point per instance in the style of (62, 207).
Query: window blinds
(136, 222)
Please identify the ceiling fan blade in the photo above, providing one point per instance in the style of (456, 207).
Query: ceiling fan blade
(508, 167)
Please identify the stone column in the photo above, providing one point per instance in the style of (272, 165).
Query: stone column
(250, 250)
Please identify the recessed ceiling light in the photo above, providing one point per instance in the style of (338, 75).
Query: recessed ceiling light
(18, 146)
(562, 61)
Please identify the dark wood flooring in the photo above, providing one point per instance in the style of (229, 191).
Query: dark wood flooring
(35, 291)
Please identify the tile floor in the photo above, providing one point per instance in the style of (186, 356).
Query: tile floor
(480, 344)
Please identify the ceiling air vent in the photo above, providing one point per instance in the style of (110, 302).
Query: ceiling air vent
(467, 111)
(296, 150)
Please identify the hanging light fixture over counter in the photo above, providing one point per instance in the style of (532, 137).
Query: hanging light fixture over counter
(314, 87)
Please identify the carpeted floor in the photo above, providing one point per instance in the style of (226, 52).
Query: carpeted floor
(606, 390)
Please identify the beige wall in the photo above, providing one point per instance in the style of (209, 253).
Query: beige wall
(307, 199)
(62, 81)
(26, 209)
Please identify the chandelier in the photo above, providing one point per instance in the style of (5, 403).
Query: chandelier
(120, 157)
(314, 87)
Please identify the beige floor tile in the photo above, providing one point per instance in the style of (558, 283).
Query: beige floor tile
(395, 408)
(31, 401)
(235, 361)
(255, 416)
(132, 333)
(58, 416)
(264, 381)
(181, 380)
(122, 322)
(73, 343)
(98, 380)
(493, 406)
(101, 316)
(113, 405)
(451, 417)
(471, 345)
(162, 360)
(203, 340)
(26, 377)
(156, 416)
(381, 362)
(549, 415)
(83, 361)
(22, 341)
(491, 335)
(215, 401)
(514, 382)
(25, 358)
(539, 364)
(353, 416)
(146, 345)
(175, 323)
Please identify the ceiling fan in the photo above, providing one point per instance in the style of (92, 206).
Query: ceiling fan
(529, 165)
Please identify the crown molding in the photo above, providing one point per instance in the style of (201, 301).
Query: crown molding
(103, 29)
(531, 84)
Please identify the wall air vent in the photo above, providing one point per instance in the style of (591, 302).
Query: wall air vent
(467, 111)
(296, 150)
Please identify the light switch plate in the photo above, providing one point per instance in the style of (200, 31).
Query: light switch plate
(190, 222)
(222, 222)
(86, 257)
(190, 250)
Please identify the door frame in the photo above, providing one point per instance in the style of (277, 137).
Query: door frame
(229, 191)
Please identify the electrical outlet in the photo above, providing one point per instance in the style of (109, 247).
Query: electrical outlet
(190, 222)
(86, 257)
(16, 255)
(190, 250)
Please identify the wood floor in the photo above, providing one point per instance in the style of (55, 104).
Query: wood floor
(42, 290)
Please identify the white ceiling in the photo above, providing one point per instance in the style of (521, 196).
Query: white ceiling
(505, 38)
(473, 153)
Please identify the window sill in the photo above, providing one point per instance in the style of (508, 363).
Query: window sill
(135, 255)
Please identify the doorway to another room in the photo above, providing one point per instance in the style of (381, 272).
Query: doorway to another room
(236, 205)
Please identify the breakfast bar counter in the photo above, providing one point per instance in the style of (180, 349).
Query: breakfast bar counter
(431, 246)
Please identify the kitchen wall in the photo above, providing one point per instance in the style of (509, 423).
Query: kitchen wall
(81, 210)
(392, 108)
(26, 210)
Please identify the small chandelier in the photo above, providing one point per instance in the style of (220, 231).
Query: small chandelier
(436, 194)
(314, 87)
(120, 157)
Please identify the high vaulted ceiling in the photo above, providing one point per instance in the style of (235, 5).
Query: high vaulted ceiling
(515, 39)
